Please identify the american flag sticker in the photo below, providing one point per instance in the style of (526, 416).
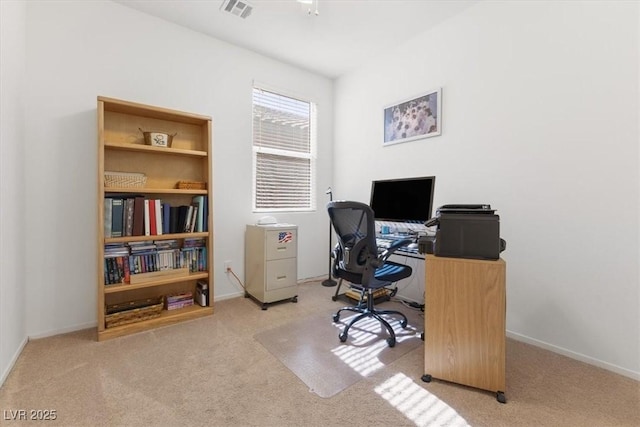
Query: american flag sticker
(285, 237)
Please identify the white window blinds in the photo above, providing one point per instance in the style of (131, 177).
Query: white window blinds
(283, 152)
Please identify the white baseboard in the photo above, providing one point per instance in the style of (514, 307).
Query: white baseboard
(54, 332)
(241, 293)
(228, 296)
(577, 356)
(13, 361)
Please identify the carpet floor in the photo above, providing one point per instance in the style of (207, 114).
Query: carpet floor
(214, 372)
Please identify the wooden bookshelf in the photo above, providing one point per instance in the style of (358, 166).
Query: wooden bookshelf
(121, 148)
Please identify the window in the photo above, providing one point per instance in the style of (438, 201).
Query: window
(283, 152)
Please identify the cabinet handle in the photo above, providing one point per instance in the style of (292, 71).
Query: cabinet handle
(282, 248)
(281, 277)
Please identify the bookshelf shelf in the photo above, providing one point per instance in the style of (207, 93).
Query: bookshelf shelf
(159, 237)
(145, 190)
(155, 150)
(121, 148)
(125, 287)
(166, 318)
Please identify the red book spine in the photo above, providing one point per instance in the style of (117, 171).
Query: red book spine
(152, 218)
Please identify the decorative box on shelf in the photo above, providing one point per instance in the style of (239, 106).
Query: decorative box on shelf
(124, 179)
(191, 185)
(158, 139)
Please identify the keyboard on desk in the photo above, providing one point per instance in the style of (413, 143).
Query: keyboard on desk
(385, 242)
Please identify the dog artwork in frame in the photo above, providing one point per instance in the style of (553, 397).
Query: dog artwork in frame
(415, 118)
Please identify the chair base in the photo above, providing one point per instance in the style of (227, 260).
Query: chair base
(356, 292)
(366, 311)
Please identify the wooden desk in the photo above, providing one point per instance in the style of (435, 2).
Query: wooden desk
(465, 310)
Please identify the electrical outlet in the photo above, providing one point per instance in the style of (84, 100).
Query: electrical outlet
(227, 266)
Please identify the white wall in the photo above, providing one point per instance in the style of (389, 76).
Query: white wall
(79, 50)
(13, 325)
(540, 119)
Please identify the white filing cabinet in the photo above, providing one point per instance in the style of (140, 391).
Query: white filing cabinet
(271, 263)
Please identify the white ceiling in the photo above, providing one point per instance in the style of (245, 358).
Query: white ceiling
(343, 35)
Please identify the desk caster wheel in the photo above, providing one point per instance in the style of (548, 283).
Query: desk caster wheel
(426, 378)
(501, 397)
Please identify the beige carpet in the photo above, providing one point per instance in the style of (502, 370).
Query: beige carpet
(213, 372)
(310, 347)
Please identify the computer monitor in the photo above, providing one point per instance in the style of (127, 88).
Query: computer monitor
(407, 200)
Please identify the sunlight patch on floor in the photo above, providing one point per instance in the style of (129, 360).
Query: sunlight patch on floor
(363, 360)
(366, 339)
(364, 346)
(370, 329)
(417, 404)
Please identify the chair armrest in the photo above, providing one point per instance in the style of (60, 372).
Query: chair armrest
(335, 252)
(392, 248)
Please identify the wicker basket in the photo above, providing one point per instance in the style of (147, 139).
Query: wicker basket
(132, 312)
(124, 179)
(191, 185)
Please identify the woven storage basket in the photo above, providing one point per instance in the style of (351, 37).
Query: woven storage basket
(191, 185)
(124, 179)
(132, 312)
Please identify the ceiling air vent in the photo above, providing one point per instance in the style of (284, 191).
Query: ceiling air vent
(238, 8)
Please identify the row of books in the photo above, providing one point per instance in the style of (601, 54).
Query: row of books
(121, 262)
(139, 216)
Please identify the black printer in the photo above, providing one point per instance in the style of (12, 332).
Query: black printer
(465, 231)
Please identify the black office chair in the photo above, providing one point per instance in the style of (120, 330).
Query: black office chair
(356, 260)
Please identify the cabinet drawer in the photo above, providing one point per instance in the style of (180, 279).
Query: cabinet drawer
(281, 244)
(281, 273)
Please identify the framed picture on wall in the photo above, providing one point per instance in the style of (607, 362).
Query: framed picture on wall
(415, 118)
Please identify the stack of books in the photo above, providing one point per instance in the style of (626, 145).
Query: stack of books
(173, 302)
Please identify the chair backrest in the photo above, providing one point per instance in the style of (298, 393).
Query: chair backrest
(354, 224)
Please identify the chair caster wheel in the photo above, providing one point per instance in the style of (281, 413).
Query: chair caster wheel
(422, 336)
(403, 323)
(294, 299)
(343, 337)
(334, 298)
(336, 317)
(391, 342)
(246, 294)
(501, 397)
(426, 378)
